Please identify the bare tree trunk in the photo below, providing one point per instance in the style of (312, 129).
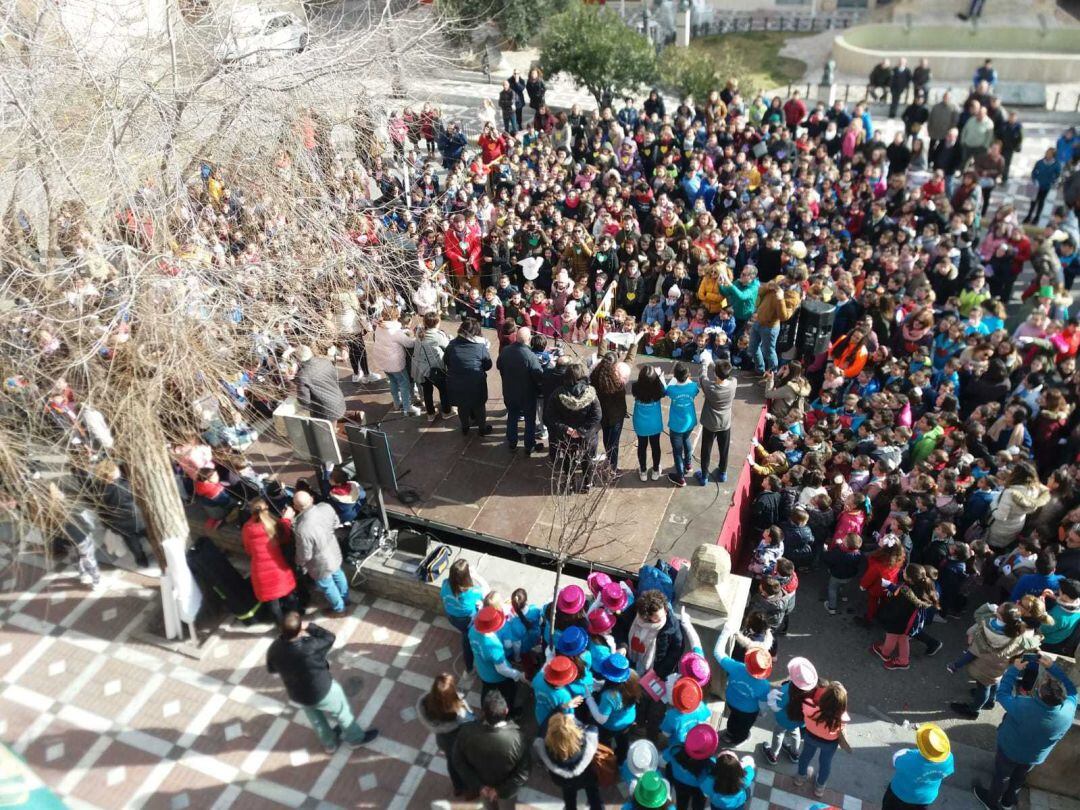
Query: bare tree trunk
(152, 482)
(555, 600)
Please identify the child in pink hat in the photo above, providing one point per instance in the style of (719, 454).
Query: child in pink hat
(569, 609)
(689, 763)
(786, 704)
(601, 642)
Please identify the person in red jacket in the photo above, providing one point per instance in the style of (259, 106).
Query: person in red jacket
(492, 144)
(794, 112)
(462, 250)
(272, 577)
(883, 566)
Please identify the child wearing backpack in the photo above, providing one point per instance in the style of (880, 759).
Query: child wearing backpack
(842, 560)
(883, 567)
(898, 614)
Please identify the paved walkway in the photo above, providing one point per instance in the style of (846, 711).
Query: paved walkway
(108, 720)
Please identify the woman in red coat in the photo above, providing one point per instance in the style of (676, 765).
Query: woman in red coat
(263, 535)
(883, 567)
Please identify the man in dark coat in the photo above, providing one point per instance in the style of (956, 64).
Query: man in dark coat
(521, 379)
(298, 655)
(899, 82)
(517, 84)
(317, 386)
(491, 754)
(573, 417)
(467, 363)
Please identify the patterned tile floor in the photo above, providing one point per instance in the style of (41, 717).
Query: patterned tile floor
(109, 721)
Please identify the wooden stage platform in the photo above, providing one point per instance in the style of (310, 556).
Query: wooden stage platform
(474, 485)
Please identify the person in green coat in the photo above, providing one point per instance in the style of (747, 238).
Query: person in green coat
(929, 434)
(741, 295)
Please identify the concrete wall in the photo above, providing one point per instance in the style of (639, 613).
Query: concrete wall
(1033, 66)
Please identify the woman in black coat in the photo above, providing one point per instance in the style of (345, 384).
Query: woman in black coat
(536, 88)
(573, 417)
(467, 363)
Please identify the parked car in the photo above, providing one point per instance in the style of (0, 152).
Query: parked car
(276, 34)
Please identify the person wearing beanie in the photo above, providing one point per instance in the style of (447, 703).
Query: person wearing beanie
(687, 710)
(786, 705)
(689, 762)
(729, 784)
(748, 686)
(919, 771)
(489, 655)
(651, 792)
(550, 692)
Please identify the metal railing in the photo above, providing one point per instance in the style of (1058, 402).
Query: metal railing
(853, 92)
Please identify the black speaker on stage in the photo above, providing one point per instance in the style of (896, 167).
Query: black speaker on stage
(815, 328)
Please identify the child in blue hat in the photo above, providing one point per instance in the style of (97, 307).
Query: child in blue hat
(615, 707)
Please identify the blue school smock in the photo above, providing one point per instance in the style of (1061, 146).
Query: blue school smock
(488, 652)
(917, 780)
(547, 698)
(620, 716)
(598, 652)
(681, 774)
(780, 715)
(516, 632)
(648, 419)
(462, 606)
(677, 725)
(743, 691)
(728, 801)
(682, 416)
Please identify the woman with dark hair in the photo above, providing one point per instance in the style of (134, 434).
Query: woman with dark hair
(462, 593)
(467, 362)
(610, 383)
(979, 389)
(648, 422)
(573, 418)
(443, 711)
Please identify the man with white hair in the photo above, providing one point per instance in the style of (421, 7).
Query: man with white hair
(317, 549)
(317, 386)
(521, 378)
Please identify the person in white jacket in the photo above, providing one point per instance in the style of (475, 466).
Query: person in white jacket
(388, 352)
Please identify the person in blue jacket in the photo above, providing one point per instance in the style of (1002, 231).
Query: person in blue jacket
(648, 419)
(573, 643)
(1034, 723)
(682, 419)
(489, 655)
(687, 710)
(729, 784)
(615, 707)
(919, 771)
(687, 764)
(601, 642)
(1044, 174)
(748, 686)
(462, 594)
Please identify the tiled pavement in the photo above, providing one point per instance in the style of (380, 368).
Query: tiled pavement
(109, 721)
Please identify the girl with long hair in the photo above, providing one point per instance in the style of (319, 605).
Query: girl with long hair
(272, 577)
(462, 594)
(825, 715)
(567, 751)
(648, 420)
(443, 711)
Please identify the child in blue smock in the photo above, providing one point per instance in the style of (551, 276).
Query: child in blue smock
(462, 594)
(648, 419)
(921, 770)
(689, 762)
(687, 710)
(489, 654)
(523, 626)
(601, 643)
(614, 708)
(550, 692)
(786, 705)
(748, 686)
(729, 784)
(682, 419)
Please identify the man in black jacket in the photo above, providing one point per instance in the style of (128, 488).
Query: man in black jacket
(298, 655)
(651, 636)
(899, 82)
(490, 754)
(521, 378)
